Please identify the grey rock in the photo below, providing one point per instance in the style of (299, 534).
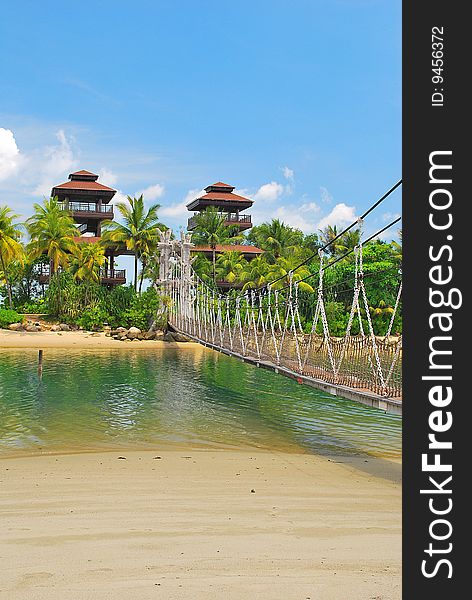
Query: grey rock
(133, 333)
(179, 337)
(150, 335)
(56, 328)
(16, 327)
(64, 327)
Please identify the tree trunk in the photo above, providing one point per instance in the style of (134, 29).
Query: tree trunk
(7, 281)
(141, 279)
(136, 273)
(213, 251)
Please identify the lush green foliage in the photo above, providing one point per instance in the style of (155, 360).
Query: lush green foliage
(75, 295)
(8, 316)
(91, 305)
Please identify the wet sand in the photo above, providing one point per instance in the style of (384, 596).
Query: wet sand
(78, 339)
(187, 526)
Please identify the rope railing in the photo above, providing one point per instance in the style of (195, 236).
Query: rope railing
(266, 325)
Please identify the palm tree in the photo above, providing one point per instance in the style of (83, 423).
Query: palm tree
(11, 248)
(398, 246)
(52, 231)
(211, 229)
(255, 275)
(203, 268)
(347, 242)
(89, 260)
(286, 266)
(139, 232)
(276, 238)
(230, 266)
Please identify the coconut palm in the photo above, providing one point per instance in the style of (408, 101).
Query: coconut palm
(275, 238)
(347, 242)
(286, 267)
(211, 229)
(90, 258)
(255, 275)
(139, 231)
(203, 268)
(230, 265)
(11, 248)
(52, 232)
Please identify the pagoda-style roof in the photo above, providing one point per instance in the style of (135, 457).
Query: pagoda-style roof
(82, 184)
(220, 195)
(78, 175)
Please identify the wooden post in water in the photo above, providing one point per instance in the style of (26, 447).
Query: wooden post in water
(40, 364)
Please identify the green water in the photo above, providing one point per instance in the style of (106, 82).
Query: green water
(144, 399)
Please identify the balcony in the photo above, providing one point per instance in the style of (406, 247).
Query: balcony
(91, 210)
(107, 276)
(231, 219)
(112, 276)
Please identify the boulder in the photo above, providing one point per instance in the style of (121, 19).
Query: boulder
(16, 327)
(179, 337)
(133, 333)
(168, 337)
(64, 327)
(123, 338)
(32, 328)
(121, 330)
(56, 328)
(150, 335)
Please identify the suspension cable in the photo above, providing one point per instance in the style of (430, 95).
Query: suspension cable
(363, 216)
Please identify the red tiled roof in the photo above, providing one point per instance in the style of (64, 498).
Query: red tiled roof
(223, 196)
(83, 172)
(87, 239)
(245, 249)
(221, 184)
(83, 185)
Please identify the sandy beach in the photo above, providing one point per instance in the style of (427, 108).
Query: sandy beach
(188, 526)
(182, 523)
(77, 339)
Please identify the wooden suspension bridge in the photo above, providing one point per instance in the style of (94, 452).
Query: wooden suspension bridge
(263, 327)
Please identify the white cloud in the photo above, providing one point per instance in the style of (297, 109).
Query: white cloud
(9, 154)
(309, 207)
(269, 192)
(389, 216)
(291, 216)
(340, 215)
(325, 195)
(152, 192)
(288, 173)
(179, 209)
(107, 177)
(119, 197)
(53, 164)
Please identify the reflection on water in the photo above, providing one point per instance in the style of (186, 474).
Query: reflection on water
(136, 398)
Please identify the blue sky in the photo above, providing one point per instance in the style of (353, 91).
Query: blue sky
(296, 103)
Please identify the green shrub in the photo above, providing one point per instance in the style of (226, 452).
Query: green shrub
(92, 318)
(7, 317)
(37, 307)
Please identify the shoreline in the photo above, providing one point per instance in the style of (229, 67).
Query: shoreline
(185, 522)
(40, 340)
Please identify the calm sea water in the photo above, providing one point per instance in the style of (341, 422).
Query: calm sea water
(142, 399)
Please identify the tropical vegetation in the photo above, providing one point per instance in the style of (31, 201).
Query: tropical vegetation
(47, 242)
